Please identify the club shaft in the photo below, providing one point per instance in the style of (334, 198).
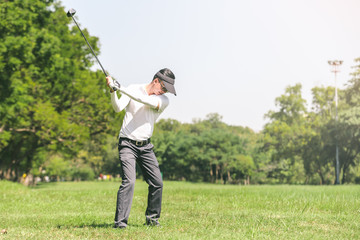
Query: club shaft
(90, 47)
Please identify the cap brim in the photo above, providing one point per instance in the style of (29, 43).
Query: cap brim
(169, 87)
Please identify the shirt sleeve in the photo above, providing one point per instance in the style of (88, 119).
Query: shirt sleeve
(135, 94)
(164, 102)
(119, 104)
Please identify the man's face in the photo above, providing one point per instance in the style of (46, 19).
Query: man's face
(160, 87)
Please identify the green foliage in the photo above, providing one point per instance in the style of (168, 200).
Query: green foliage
(283, 135)
(297, 137)
(50, 100)
(349, 126)
(56, 117)
(318, 150)
(83, 173)
(57, 166)
(207, 150)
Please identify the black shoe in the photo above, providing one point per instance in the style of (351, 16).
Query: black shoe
(153, 223)
(120, 227)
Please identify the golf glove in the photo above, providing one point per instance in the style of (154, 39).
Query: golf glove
(115, 85)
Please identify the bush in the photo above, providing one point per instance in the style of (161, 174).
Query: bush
(83, 173)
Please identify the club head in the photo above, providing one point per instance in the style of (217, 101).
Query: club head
(71, 12)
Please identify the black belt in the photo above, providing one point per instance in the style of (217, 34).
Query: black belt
(137, 143)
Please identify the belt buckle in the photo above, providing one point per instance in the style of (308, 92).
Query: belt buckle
(139, 143)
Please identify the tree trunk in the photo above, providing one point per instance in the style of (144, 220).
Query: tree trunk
(211, 173)
(343, 180)
(229, 176)
(216, 173)
(321, 177)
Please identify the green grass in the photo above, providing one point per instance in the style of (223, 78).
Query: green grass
(85, 210)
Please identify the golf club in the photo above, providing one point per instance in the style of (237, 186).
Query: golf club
(71, 14)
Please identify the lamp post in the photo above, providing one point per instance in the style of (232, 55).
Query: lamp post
(335, 65)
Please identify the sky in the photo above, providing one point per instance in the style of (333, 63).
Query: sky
(231, 57)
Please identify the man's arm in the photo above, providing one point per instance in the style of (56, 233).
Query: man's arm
(156, 102)
(119, 104)
(151, 101)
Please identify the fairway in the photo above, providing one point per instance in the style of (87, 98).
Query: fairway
(85, 210)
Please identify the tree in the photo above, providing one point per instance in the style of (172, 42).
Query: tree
(50, 100)
(319, 142)
(349, 124)
(206, 150)
(283, 133)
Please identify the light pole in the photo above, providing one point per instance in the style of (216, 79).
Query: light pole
(335, 65)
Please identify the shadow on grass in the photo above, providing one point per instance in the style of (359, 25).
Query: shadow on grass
(92, 225)
(44, 185)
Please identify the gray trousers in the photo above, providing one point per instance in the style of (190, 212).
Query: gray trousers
(129, 154)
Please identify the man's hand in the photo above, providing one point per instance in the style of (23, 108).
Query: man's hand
(112, 84)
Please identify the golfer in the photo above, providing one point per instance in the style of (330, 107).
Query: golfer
(143, 103)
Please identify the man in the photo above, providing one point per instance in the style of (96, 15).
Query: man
(143, 103)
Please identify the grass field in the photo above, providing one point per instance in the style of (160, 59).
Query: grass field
(85, 210)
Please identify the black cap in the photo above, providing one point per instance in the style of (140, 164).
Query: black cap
(168, 82)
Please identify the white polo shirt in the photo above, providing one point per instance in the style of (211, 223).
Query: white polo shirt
(141, 114)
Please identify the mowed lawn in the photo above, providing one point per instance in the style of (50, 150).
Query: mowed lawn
(85, 210)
